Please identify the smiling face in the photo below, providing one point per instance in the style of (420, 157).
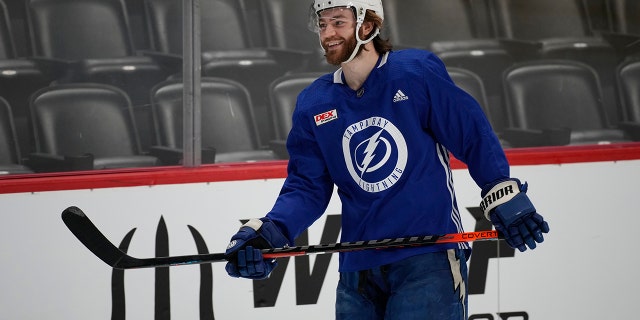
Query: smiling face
(337, 34)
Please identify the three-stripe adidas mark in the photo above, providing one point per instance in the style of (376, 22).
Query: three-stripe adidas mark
(400, 96)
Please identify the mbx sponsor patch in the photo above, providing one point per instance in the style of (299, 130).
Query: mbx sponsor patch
(326, 117)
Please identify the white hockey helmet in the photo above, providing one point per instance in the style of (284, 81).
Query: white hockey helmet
(360, 9)
(361, 6)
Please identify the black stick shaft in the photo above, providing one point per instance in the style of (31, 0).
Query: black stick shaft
(82, 227)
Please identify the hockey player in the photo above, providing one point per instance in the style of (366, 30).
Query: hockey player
(380, 129)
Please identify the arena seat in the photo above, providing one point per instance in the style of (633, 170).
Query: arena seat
(90, 41)
(623, 33)
(19, 78)
(556, 102)
(10, 159)
(628, 79)
(84, 126)
(227, 50)
(551, 29)
(228, 126)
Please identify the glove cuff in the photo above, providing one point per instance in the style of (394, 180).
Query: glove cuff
(272, 234)
(499, 194)
(254, 224)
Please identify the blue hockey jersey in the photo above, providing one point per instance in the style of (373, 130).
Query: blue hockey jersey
(386, 148)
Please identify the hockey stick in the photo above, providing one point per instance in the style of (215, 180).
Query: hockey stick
(80, 225)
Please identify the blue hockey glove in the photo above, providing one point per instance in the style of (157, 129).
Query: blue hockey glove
(245, 256)
(508, 207)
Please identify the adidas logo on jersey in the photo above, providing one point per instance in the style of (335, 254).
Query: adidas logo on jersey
(400, 96)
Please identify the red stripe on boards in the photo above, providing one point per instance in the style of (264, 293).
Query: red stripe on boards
(277, 169)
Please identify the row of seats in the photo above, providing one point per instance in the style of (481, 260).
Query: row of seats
(256, 41)
(560, 102)
(86, 126)
(549, 102)
(490, 36)
(92, 41)
(485, 36)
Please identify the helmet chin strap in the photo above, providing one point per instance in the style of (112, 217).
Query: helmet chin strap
(360, 41)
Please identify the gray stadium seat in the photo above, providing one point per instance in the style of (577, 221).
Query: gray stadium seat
(90, 41)
(10, 160)
(227, 125)
(629, 90)
(227, 50)
(556, 102)
(19, 78)
(552, 29)
(86, 124)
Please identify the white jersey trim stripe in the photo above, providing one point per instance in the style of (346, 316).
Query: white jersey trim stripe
(443, 155)
(337, 76)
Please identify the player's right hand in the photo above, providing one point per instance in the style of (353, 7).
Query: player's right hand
(508, 207)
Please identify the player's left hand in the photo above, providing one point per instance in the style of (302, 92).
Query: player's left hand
(245, 256)
(508, 207)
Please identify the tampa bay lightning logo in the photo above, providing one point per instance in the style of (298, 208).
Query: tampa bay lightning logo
(375, 153)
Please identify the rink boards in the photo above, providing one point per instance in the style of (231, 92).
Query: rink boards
(579, 272)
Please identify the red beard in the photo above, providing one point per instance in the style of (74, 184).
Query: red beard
(337, 56)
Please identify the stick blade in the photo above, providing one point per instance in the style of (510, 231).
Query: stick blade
(80, 225)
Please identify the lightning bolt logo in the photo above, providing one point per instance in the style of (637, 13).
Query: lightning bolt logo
(369, 152)
(458, 281)
(373, 153)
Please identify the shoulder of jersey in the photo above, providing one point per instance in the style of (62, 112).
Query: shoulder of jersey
(317, 91)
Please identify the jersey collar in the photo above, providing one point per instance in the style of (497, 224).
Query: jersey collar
(338, 76)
